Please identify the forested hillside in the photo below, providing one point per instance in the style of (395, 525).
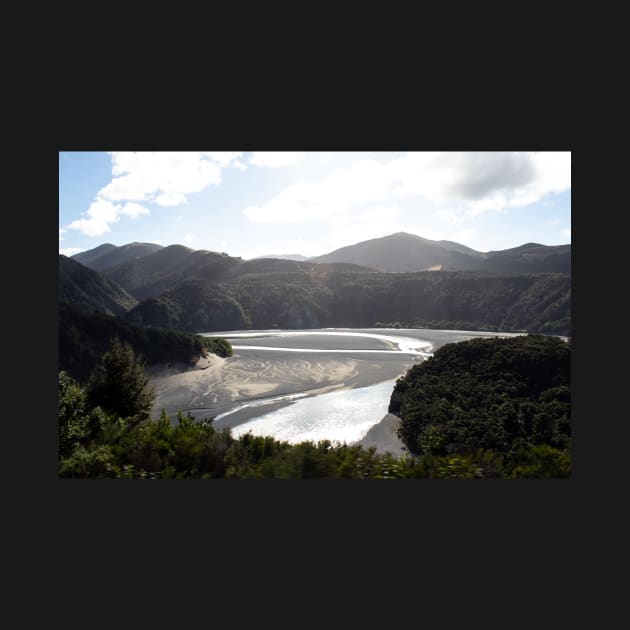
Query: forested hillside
(200, 291)
(500, 395)
(325, 298)
(89, 290)
(105, 431)
(84, 338)
(108, 256)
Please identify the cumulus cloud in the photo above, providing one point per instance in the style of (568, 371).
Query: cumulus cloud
(458, 184)
(275, 159)
(190, 238)
(477, 182)
(101, 214)
(164, 178)
(61, 231)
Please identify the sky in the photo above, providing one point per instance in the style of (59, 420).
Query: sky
(251, 204)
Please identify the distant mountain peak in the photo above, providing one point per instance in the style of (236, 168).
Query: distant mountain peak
(404, 252)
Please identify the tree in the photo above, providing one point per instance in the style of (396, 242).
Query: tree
(118, 385)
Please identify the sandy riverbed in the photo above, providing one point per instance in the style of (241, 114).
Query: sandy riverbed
(215, 385)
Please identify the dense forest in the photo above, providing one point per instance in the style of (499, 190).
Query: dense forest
(105, 432)
(538, 303)
(84, 337)
(499, 395)
(91, 291)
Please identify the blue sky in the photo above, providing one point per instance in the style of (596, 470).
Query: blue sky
(250, 204)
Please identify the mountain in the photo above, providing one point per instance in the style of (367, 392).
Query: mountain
(107, 256)
(88, 257)
(168, 267)
(531, 258)
(403, 252)
(284, 257)
(171, 266)
(85, 337)
(201, 291)
(327, 297)
(90, 291)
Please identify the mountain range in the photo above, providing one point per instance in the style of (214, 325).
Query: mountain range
(179, 288)
(400, 252)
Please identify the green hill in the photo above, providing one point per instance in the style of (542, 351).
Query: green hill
(91, 291)
(85, 337)
(492, 394)
(109, 256)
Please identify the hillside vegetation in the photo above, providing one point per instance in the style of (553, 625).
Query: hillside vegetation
(472, 300)
(499, 395)
(176, 287)
(105, 432)
(85, 337)
(91, 291)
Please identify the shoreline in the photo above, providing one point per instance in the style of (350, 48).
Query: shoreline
(255, 381)
(247, 382)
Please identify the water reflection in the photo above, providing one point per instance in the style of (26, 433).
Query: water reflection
(341, 416)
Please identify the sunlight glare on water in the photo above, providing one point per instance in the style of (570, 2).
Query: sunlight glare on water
(342, 416)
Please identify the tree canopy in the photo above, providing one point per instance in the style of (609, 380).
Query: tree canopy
(119, 385)
(499, 394)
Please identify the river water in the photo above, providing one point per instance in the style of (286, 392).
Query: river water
(344, 415)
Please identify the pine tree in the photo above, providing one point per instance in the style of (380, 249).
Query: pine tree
(119, 386)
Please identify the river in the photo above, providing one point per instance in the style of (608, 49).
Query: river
(297, 385)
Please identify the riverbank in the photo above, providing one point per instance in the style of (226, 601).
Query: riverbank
(382, 436)
(215, 385)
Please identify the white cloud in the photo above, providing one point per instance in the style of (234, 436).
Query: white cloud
(555, 221)
(170, 199)
(158, 241)
(468, 184)
(61, 231)
(101, 214)
(71, 251)
(133, 210)
(364, 181)
(163, 177)
(566, 232)
(276, 159)
(190, 238)
(224, 158)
